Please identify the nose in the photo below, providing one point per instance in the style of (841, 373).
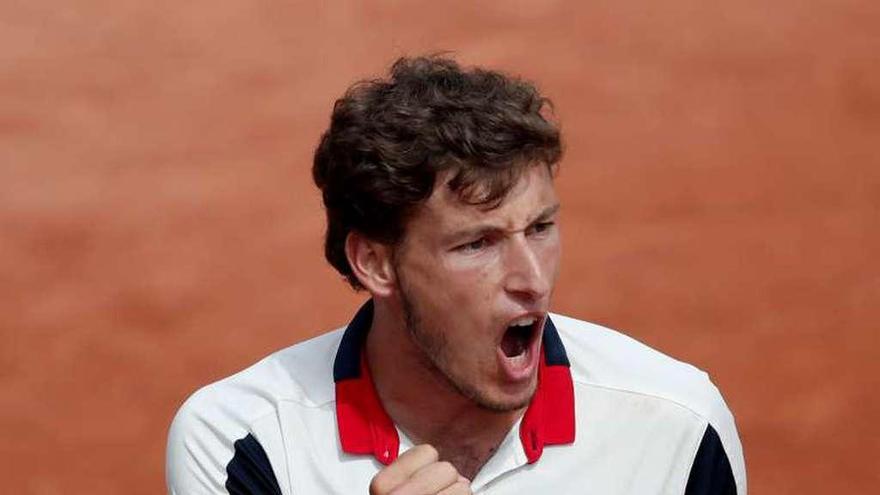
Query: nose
(526, 278)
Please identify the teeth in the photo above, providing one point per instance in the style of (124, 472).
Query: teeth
(525, 321)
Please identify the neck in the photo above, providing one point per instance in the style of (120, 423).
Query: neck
(421, 401)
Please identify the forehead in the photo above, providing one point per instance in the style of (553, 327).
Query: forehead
(445, 211)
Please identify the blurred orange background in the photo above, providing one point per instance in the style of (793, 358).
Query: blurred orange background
(159, 228)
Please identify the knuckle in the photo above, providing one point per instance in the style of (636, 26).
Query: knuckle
(379, 485)
(428, 450)
(447, 469)
(459, 488)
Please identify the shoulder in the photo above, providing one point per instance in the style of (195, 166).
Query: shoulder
(301, 373)
(203, 435)
(610, 360)
(607, 358)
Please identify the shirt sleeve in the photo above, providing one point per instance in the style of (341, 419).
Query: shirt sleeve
(249, 472)
(203, 458)
(195, 456)
(711, 473)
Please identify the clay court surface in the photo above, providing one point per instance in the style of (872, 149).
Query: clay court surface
(159, 229)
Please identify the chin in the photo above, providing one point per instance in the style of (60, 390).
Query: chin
(506, 405)
(507, 400)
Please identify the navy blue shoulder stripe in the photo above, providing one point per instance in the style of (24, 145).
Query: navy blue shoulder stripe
(249, 472)
(711, 473)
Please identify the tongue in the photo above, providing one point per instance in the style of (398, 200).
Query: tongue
(514, 341)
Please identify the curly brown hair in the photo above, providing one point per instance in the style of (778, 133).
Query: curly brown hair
(389, 138)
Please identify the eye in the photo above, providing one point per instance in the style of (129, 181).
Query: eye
(476, 245)
(541, 227)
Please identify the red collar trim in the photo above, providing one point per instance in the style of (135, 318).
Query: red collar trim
(364, 426)
(366, 429)
(549, 420)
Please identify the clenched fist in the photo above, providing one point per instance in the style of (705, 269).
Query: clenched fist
(418, 472)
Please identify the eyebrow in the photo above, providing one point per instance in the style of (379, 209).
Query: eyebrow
(482, 230)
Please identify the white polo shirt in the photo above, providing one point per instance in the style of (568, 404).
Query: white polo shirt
(610, 416)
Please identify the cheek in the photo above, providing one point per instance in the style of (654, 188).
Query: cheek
(468, 274)
(550, 253)
(470, 290)
(451, 290)
(464, 296)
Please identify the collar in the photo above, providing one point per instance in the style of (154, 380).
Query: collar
(366, 429)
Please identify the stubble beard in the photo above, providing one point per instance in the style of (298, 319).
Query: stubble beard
(434, 354)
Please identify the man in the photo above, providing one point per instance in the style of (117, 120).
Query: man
(453, 378)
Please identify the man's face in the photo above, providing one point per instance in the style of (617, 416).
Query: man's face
(475, 285)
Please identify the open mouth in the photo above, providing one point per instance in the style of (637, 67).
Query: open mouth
(519, 349)
(519, 336)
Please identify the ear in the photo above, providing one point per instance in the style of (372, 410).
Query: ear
(371, 262)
